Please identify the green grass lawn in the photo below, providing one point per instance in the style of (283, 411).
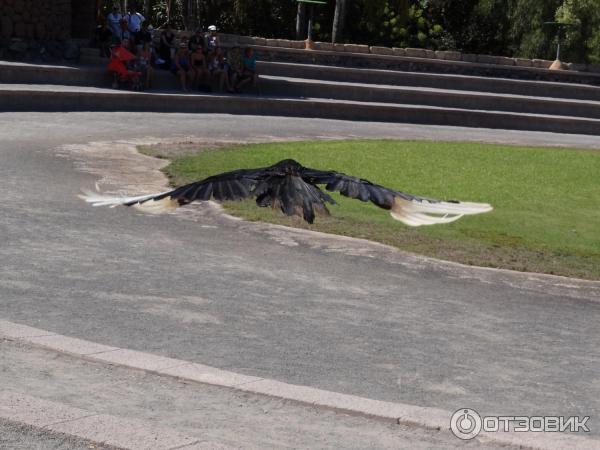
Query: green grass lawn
(546, 202)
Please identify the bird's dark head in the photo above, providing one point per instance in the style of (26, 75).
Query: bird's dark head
(289, 166)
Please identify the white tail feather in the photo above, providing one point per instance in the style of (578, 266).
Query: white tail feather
(149, 205)
(417, 213)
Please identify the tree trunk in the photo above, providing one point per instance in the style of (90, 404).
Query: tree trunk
(338, 20)
(186, 9)
(147, 9)
(192, 15)
(301, 22)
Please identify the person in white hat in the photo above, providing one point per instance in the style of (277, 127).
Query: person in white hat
(212, 39)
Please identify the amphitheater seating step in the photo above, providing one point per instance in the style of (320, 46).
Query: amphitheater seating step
(30, 97)
(311, 90)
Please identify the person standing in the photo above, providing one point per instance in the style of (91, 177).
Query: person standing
(166, 49)
(114, 21)
(135, 20)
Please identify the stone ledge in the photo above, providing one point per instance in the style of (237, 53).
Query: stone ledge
(445, 55)
(442, 55)
(326, 46)
(354, 48)
(541, 63)
(448, 55)
(416, 52)
(523, 62)
(381, 51)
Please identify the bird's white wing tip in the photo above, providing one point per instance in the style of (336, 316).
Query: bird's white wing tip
(416, 213)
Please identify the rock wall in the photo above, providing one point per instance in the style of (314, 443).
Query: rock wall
(383, 58)
(35, 19)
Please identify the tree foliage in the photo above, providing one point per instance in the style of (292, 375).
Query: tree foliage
(528, 36)
(582, 39)
(503, 27)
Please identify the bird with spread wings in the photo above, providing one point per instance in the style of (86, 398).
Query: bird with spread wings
(294, 190)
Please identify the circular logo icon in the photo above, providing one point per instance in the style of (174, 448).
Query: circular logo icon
(465, 423)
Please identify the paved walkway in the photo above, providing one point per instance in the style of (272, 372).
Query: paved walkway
(330, 313)
(70, 392)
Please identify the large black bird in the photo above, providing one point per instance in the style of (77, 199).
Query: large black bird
(293, 188)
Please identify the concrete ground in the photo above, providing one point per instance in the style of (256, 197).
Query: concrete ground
(336, 314)
(16, 436)
(205, 413)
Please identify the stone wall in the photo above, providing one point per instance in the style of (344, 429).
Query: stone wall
(419, 54)
(35, 19)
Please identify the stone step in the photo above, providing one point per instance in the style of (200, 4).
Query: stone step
(95, 75)
(569, 90)
(442, 81)
(421, 65)
(93, 59)
(573, 85)
(89, 51)
(425, 65)
(68, 98)
(305, 88)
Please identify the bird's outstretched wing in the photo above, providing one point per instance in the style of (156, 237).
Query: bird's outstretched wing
(407, 208)
(235, 185)
(293, 189)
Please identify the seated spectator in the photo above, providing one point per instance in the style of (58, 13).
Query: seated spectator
(143, 64)
(120, 66)
(212, 40)
(249, 73)
(181, 67)
(167, 47)
(219, 69)
(144, 36)
(197, 40)
(199, 69)
(236, 65)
